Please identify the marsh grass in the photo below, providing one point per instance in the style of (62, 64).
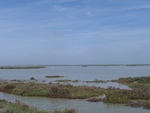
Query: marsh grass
(14, 80)
(116, 95)
(66, 80)
(138, 91)
(96, 81)
(52, 90)
(142, 80)
(55, 76)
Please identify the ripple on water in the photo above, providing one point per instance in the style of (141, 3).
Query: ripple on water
(82, 106)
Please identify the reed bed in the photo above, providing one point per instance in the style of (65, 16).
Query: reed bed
(66, 80)
(140, 90)
(96, 81)
(55, 76)
(52, 90)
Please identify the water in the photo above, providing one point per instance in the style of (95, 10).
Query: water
(76, 73)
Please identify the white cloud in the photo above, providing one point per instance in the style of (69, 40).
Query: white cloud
(90, 13)
(59, 8)
(137, 7)
(34, 31)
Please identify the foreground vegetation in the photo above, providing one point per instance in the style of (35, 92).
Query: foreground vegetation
(139, 96)
(18, 107)
(51, 90)
(140, 90)
(20, 67)
(115, 95)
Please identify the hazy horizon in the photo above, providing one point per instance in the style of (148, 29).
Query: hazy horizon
(80, 65)
(72, 32)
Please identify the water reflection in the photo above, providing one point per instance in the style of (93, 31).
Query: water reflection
(83, 106)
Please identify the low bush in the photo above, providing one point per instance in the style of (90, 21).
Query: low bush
(37, 92)
(32, 78)
(8, 86)
(117, 96)
(143, 79)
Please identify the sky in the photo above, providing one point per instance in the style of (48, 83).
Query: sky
(72, 32)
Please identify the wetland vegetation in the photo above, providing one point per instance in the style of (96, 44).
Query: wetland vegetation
(131, 80)
(55, 76)
(66, 80)
(96, 81)
(51, 90)
(137, 96)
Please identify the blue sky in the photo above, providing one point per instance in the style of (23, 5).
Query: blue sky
(47, 32)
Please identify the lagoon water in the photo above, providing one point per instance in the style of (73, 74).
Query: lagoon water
(76, 73)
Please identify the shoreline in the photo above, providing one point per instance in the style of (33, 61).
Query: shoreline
(22, 67)
(82, 65)
(138, 96)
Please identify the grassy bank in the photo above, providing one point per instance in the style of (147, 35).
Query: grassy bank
(140, 90)
(18, 107)
(51, 90)
(55, 76)
(139, 96)
(62, 80)
(133, 80)
(96, 81)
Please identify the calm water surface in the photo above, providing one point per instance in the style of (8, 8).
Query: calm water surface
(76, 73)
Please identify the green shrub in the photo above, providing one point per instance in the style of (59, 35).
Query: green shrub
(65, 91)
(142, 79)
(18, 91)
(117, 96)
(32, 78)
(8, 86)
(115, 99)
(54, 89)
(36, 93)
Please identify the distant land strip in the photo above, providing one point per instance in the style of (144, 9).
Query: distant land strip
(44, 66)
(21, 67)
(85, 65)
